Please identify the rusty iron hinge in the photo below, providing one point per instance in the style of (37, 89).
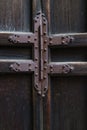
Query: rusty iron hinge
(40, 41)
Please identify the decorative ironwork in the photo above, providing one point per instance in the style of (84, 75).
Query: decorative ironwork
(40, 41)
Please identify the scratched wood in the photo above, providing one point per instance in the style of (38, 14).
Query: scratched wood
(66, 15)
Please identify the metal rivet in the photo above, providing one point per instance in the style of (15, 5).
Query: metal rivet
(29, 41)
(39, 92)
(44, 77)
(28, 36)
(50, 38)
(45, 33)
(35, 21)
(37, 17)
(35, 39)
(30, 68)
(36, 47)
(45, 41)
(36, 74)
(45, 68)
(18, 41)
(36, 66)
(45, 49)
(51, 70)
(45, 61)
(51, 42)
(36, 85)
(29, 64)
(51, 66)
(36, 59)
(44, 23)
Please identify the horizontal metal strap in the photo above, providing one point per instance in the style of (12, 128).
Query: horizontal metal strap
(22, 38)
(72, 68)
(72, 39)
(17, 66)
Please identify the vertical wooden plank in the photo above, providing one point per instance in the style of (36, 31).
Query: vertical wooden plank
(66, 15)
(47, 110)
(36, 6)
(46, 10)
(15, 15)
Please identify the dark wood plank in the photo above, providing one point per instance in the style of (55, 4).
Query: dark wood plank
(65, 15)
(15, 15)
(15, 52)
(36, 7)
(16, 102)
(68, 104)
(68, 54)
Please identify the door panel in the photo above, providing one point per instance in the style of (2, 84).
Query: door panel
(64, 106)
(15, 52)
(66, 16)
(19, 102)
(67, 98)
(68, 54)
(15, 15)
(16, 100)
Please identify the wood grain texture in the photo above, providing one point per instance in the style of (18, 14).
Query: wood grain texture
(15, 15)
(68, 103)
(66, 15)
(16, 109)
(36, 6)
(67, 54)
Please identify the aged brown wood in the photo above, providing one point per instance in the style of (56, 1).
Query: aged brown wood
(15, 15)
(65, 16)
(68, 102)
(64, 106)
(16, 101)
(25, 63)
(20, 105)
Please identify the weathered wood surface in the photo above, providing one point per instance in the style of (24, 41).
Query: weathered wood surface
(15, 15)
(65, 15)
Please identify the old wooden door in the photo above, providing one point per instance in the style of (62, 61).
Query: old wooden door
(65, 105)
(19, 101)
(43, 68)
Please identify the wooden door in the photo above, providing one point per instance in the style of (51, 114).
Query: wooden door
(43, 65)
(65, 105)
(19, 102)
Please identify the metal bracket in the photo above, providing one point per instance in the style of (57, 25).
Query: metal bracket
(22, 38)
(60, 68)
(22, 67)
(40, 41)
(66, 40)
